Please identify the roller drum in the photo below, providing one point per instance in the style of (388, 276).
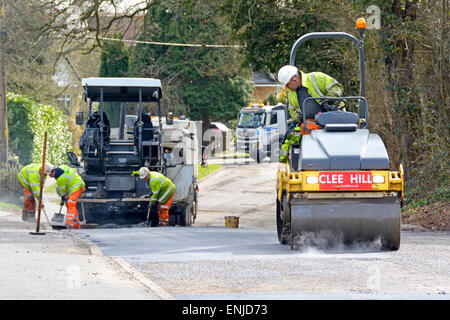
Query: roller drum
(348, 220)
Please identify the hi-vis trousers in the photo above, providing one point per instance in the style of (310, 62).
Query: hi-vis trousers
(72, 219)
(29, 204)
(163, 212)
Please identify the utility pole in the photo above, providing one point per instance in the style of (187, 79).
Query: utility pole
(3, 107)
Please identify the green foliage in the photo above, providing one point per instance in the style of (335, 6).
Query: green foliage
(268, 29)
(272, 100)
(114, 58)
(414, 197)
(216, 99)
(203, 172)
(20, 138)
(59, 139)
(206, 83)
(9, 206)
(413, 44)
(114, 63)
(407, 70)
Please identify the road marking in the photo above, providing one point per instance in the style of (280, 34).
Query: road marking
(160, 292)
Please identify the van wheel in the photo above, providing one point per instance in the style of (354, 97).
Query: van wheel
(275, 156)
(185, 218)
(257, 157)
(275, 150)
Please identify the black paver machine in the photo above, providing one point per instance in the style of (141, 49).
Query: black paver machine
(111, 156)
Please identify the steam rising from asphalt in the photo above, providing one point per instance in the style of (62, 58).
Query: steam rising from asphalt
(332, 241)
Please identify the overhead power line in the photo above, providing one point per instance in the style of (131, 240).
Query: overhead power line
(170, 43)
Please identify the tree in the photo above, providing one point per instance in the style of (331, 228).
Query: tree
(268, 29)
(114, 63)
(75, 22)
(206, 83)
(30, 55)
(21, 134)
(114, 59)
(59, 139)
(29, 61)
(28, 121)
(413, 47)
(407, 70)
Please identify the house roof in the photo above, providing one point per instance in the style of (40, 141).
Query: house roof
(263, 79)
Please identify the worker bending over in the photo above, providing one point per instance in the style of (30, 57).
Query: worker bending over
(162, 192)
(69, 187)
(297, 86)
(30, 179)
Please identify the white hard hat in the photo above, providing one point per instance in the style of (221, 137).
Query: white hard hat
(143, 172)
(48, 168)
(286, 73)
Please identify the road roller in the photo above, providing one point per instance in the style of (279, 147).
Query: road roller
(337, 182)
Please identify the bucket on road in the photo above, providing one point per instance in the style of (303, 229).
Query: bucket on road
(232, 222)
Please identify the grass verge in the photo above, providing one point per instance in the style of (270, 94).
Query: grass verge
(231, 155)
(203, 172)
(4, 205)
(51, 188)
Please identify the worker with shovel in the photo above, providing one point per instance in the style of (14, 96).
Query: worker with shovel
(163, 190)
(69, 187)
(30, 179)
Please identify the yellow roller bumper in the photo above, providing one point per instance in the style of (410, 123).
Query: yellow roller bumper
(308, 181)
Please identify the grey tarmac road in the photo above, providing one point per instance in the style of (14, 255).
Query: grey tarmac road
(59, 265)
(209, 261)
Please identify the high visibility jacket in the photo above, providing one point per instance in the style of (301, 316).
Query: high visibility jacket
(318, 84)
(161, 186)
(293, 137)
(69, 182)
(30, 178)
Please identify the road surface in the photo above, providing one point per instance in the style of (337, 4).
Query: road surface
(59, 265)
(209, 261)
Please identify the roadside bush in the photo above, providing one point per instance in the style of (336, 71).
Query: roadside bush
(59, 139)
(20, 139)
(27, 123)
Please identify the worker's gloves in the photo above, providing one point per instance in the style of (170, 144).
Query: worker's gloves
(63, 200)
(333, 105)
(328, 106)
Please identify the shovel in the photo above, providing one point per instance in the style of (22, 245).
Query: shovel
(58, 219)
(48, 221)
(147, 222)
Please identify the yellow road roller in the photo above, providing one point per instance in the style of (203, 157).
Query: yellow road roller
(338, 181)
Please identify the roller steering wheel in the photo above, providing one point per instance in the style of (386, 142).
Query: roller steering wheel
(333, 105)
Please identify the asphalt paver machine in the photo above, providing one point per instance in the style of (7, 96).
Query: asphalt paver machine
(338, 183)
(111, 157)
